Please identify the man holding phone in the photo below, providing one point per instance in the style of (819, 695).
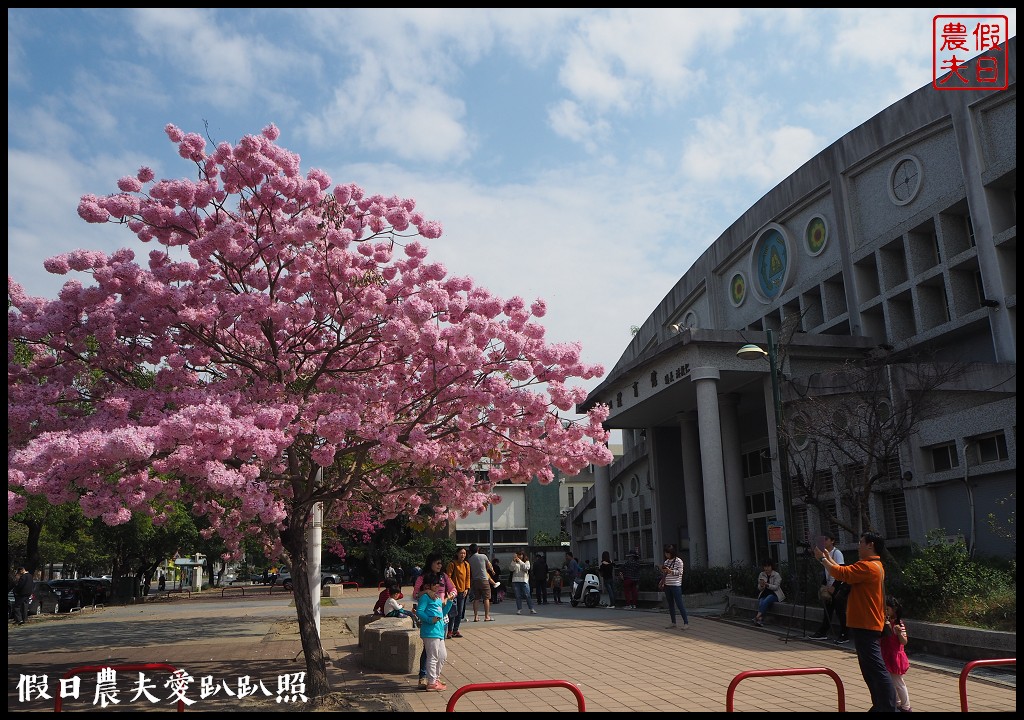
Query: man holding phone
(834, 593)
(867, 615)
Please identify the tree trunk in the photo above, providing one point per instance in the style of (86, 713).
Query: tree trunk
(35, 529)
(294, 541)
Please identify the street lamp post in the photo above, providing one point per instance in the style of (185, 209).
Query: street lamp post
(482, 470)
(754, 352)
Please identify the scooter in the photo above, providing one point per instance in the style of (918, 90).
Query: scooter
(586, 591)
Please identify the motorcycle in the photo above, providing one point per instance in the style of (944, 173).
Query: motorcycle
(586, 590)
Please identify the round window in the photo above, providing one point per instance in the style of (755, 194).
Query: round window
(634, 485)
(800, 430)
(619, 492)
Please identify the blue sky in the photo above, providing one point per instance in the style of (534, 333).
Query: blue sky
(586, 157)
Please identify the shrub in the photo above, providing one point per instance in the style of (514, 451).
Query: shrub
(706, 580)
(941, 583)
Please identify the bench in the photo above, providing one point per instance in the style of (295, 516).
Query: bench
(390, 644)
(781, 614)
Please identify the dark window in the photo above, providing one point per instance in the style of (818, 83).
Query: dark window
(897, 524)
(944, 457)
(992, 448)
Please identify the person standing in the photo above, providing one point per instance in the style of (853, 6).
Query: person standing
(865, 615)
(433, 567)
(556, 586)
(389, 573)
(162, 583)
(24, 586)
(459, 573)
(521, 581)
(573, 570)
(672, 577)
(495, 574)
(769, 585)
(540, 578)
(432, 608)
(607, 572)
(833, 593)
(480, 571)
(894, 640)
(631, 579)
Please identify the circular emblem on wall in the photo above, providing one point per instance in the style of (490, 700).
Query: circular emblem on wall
(738, 289)
(905, 180)
(816, 235)
(770, 263)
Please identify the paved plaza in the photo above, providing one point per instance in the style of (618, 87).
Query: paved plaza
(621, 660)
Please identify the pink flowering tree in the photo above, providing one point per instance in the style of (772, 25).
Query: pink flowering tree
(285, 343)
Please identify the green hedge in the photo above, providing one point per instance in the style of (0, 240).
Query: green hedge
(937, 583)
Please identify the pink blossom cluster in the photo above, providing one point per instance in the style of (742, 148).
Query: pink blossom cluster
(284, 343)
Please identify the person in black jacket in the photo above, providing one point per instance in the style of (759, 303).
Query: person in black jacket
(539, 571)
(24, 586)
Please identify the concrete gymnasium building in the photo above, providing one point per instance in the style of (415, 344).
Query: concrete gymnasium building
(899, 241)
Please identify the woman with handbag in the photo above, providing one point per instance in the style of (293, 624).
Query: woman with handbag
(672, 584)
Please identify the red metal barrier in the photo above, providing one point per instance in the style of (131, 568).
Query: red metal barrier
(350, 582)
(786, 671)
(59, 701)
(520, 685)
(970, 666)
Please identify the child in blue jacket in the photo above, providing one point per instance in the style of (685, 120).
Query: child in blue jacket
(432, 611)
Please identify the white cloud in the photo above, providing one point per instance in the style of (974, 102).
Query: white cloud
(224, 66)
(740, 143)
(566, 120)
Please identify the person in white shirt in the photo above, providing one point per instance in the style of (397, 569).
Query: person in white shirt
(836, 592)
(521, 581)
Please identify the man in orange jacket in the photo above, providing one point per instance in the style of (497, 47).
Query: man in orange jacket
(865, 615)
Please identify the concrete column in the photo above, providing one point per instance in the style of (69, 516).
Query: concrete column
(716, 513)
(694, 492)
(603, 509)
(732, 461)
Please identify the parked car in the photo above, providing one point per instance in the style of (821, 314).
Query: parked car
(43, 600)
(77, 593)
(97, 590)
(343, 572)
(326, 578)
(71, 594)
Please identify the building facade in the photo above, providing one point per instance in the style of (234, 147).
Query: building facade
(900, 240)
(524, 510)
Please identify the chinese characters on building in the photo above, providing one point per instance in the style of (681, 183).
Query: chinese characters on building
(957, 39)
(179, 686)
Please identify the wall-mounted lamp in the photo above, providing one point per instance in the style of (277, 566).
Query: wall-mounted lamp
(675, 329)
(985, 302)
(751, 352)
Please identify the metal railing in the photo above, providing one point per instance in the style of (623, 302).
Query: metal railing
(786, 671)
(516, 685)
(967, 670)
